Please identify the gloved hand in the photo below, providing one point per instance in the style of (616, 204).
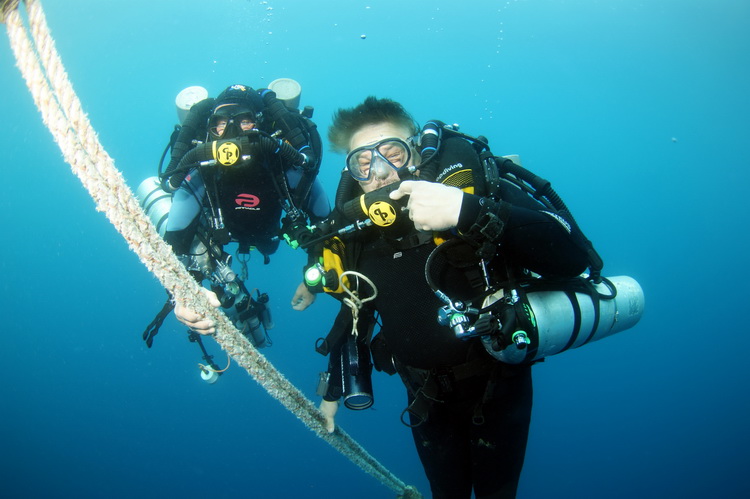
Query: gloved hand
(302, 298)
(329, 410)
(194, 321)
(432, 206)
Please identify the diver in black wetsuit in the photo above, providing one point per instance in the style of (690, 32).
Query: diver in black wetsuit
(469, 413)
(238, 194)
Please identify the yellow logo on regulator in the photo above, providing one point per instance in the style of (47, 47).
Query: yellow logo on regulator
(226, 153)
(382, 213)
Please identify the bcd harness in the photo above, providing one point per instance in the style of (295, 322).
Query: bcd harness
(295, 144)
(499, 320)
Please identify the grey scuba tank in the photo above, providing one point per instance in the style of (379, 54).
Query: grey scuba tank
(155, 202)
(554, 324)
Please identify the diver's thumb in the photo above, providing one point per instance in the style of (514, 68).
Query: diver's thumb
(213, 300)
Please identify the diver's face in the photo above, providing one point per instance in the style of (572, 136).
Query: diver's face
(369, 135)
(245, 125)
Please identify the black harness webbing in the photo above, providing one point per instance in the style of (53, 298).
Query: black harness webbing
(426, 385)
(576, 318)
(597, 315)
(478, 416)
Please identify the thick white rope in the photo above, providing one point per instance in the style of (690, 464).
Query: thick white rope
(62, 113)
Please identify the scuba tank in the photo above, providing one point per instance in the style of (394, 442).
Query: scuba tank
(155, 203)
(538, 317)
(550, 321)
(187, 98)
(287, 91)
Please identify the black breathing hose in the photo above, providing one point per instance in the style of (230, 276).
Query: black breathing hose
(194, 121)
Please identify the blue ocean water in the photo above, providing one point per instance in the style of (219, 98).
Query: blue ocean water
(637, 111)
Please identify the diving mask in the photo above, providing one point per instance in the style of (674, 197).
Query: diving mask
(230, 121)
(378, 159)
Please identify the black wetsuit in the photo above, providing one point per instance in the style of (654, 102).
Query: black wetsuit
(474, 437)
(457, 454)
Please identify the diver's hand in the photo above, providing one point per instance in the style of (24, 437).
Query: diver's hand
(194, 321)
(302, 298)
(432, 206)
(329, 411)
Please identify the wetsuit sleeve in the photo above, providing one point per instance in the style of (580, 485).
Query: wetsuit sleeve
(531, 236)
(181, 240)
(318, 206)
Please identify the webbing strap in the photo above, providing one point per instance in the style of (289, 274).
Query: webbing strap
(576, 318)
(596, 302)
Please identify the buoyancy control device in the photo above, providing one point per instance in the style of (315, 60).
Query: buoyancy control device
(533, 319)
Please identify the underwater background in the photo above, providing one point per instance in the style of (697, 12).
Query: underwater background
(637, 111)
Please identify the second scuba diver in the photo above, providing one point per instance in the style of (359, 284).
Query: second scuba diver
(254, 161)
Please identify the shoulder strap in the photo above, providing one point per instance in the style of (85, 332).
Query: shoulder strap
(436, 135)
(303, 135)
(542, 190)
(194, 124)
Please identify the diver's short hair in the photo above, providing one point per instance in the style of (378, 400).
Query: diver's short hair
(347, 121)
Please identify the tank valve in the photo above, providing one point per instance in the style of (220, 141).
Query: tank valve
(521, 339)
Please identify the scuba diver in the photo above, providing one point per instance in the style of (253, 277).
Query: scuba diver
(239, 163)
(442, 232)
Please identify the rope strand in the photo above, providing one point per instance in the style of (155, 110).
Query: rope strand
(53, 94)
